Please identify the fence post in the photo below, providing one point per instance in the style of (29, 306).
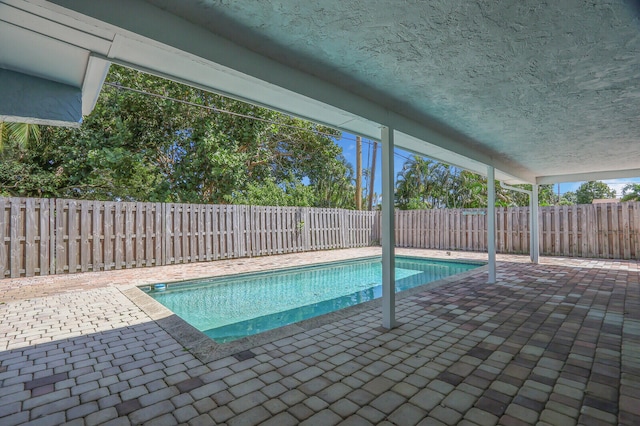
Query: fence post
(29, 238)
(14, 237)
(60, 249)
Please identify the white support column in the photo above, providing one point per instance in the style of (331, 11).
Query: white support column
(491, 223)
(535, 239)
(388, 232)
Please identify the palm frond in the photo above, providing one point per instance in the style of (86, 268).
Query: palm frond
(22, 134)
(4, 134)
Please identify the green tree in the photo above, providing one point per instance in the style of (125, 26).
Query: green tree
(568, 198)
(424, 184)
(140, 147)
(593, 190)
(631, 192)
(269, 193)
(336, 188)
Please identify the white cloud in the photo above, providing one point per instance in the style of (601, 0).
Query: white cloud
(619, 184)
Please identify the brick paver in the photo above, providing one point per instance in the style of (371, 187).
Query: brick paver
(556, 343)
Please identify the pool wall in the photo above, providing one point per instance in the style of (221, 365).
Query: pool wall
(205, 349)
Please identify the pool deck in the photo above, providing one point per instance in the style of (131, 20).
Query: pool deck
(556, 343)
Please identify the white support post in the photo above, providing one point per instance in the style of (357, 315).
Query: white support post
(535, 235)
(531, 213)
(491, 223)
(388, 232)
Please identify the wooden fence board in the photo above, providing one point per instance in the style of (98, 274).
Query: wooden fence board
(636, 230)
(603, 221)
(307, 228)
(45, 235)
(183, 231)
(61, 260)
(96, 233)
(584, 221)
(175, 219)
(5, 236)
(626, 235)
(129, 236)
(107, 241)
(73, 235)
(120, 240)
(574, 250)
(150, 233)
(42, 236)
(138, 235)
(30, 230)
(84, 244)
(615, 237)
(15, 238)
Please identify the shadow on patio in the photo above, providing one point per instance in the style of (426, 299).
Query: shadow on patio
(557, 343)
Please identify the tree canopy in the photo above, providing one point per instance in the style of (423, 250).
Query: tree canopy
(424, 184)
(631, 192)
(135, 146)
(593, 190)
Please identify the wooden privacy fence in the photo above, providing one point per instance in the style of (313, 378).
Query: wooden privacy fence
(610, 231)
(57, 236)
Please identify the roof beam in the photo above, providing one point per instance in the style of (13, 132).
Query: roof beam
(579, 177)
(97, 70)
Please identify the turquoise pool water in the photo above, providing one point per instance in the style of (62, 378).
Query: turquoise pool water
(228, 308)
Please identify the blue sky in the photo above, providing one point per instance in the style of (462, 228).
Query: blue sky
(348, 144)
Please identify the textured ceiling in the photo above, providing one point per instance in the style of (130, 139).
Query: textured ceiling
(552, 87)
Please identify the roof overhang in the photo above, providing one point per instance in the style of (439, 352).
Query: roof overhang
(49, 69)
(225, 49)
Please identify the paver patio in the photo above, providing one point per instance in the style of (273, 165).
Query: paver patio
(556, 343)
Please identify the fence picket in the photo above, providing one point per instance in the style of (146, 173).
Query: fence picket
(40, 236)
(30, 237)
(215, 229)
(5, 267)
(107, 241)
(626, 237)
(15, 237)
(573, 250)
(45, 235)
(149, 234)
(129, 235)
(635, 238)
(85, 250)
(193, 232)
(176, 224)
(139, 234)
(120, 240)
(614, 231)
(604, 229)
(74, 235)
(96, 232)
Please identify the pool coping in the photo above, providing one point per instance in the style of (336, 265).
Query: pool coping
(207, 350)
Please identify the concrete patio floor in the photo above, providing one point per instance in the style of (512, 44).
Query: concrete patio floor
(556, 343)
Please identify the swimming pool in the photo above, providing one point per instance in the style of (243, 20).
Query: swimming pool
(228, 308)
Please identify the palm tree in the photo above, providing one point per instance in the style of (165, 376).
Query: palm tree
(631, 192)
(19, 133)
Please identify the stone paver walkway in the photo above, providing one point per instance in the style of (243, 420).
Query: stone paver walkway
(556, 343)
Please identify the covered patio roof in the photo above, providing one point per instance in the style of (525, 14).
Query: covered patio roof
(542, 92)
